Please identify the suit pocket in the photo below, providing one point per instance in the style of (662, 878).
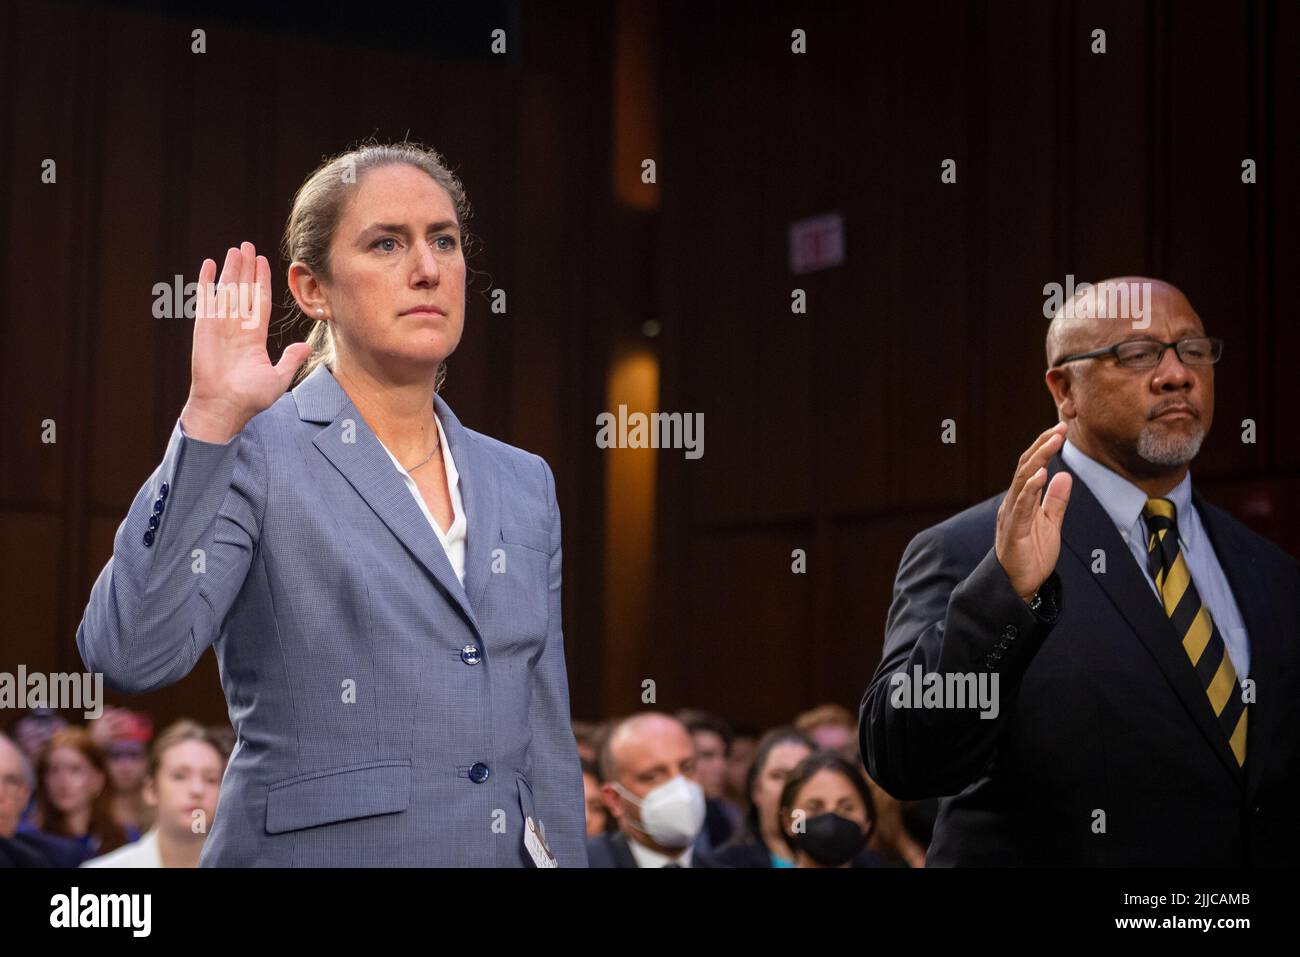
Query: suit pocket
(338, 794)
(526, 803)
(537, 539)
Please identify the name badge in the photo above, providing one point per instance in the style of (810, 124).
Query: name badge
(535, 844)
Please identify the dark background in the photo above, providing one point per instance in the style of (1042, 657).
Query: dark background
(822, 431)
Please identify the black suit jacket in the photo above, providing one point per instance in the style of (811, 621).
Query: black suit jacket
(1105, 750)
(611, 850)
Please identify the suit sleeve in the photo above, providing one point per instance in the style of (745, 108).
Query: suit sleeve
(161, 599)
(951, 619)
(556, 769)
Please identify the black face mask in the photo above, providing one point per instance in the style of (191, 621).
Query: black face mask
(831, 840)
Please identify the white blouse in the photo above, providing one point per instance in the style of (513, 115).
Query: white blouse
(453, 540)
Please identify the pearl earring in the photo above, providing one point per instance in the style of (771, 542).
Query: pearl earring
(320, 312)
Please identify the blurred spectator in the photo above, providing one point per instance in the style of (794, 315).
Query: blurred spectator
(760, 843)
(72, 797)
(650, 787)
(597, 816)
(31, 848)
(33, 729)
(182, 782)
(827, 814)
(744, 742)
(892, 838)
(584, 733)
(712, 737)
(831, 726)
(125, 735)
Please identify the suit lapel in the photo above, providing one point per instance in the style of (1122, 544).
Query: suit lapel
(1088, 527)
(480, 490)
(1257, 612)
(348, 442)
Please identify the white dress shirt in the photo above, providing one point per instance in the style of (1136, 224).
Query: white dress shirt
(1124, 501)
(452, 540)
(647, 857)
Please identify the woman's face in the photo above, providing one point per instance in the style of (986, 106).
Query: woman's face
(767, 786)
(829, 791)
(186, 787)
(396, 293)
(72, 781)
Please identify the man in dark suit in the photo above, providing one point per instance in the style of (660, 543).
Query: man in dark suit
(650, 785)
(1131, 698)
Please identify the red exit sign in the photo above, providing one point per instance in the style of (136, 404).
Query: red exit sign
(816, 243)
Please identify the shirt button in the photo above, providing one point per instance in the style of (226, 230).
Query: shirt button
(478, 772)
(470, 655)
(148, 539)
(164, 490)
(158, 506)
(153, 521)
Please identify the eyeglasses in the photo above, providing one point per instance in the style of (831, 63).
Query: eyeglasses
(1148, 353)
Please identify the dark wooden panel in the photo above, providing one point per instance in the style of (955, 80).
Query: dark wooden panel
(43, 281)
(1208, 249)
(750, 652)
(1021, 229)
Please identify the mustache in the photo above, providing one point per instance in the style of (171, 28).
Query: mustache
(1164, 407)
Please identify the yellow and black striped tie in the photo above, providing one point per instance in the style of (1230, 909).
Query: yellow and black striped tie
(1191, 620)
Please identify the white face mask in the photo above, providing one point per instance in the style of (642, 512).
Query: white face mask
(671, 814)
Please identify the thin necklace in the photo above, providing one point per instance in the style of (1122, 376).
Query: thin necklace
(436, 445)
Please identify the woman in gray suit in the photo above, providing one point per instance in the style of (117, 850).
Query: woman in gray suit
(380, 584)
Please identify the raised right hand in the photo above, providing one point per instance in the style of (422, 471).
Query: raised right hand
(231, 375)
(1028, 538)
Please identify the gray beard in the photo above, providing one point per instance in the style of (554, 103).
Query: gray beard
(1168, 448)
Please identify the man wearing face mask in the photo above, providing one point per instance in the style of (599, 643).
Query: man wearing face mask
(648, 764)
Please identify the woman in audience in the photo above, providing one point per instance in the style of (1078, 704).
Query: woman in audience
(760, 842)
(182, 783)
(827, 814)
(72, 796)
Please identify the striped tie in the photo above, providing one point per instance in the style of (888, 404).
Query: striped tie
(1191, 620)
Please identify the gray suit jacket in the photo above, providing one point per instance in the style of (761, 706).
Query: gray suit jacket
(385, 714)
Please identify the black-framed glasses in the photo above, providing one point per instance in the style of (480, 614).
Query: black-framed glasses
(1148, 353)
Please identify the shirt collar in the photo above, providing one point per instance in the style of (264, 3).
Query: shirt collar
(648, 857)
(1124, 501)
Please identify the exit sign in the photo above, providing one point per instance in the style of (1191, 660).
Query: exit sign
(816, 243)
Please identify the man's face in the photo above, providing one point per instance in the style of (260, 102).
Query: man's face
(711, 762)
(653, 755)
(1148, 421)
(15, 789)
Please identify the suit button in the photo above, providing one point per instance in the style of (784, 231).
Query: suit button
(157, 506)
(153, 521)
(478, 772)
(148, 539)
(164, 490)
(1010, 633)
(469, 654)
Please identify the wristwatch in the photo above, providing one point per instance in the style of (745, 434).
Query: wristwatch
(1045, 603)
